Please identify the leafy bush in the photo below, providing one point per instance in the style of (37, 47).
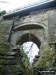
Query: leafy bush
(47, 59)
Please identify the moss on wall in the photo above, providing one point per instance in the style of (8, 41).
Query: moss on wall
(3, 29)
(4, 44)
(4, 32)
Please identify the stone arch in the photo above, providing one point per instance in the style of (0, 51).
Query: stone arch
(28, 26)
(25, 38)
(20, 32)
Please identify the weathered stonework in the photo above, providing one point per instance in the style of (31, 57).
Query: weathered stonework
(41, 24)
(52, 25)
(35, 24)
(38, 27)
(4, 34)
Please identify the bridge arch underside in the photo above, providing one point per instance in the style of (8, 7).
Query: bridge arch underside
(21, 34)
(28, 26)
(29, 37)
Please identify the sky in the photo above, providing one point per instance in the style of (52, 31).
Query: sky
(31, 50)
(13, 4)
(9, 5)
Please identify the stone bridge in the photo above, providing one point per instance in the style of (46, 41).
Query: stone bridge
(39, 26)
(33, 27)
(36, 24)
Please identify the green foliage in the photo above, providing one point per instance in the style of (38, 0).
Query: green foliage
(25, 57)
(2, 13)
(47, 58)
(1, 69)
(23, 63)
(4, 47)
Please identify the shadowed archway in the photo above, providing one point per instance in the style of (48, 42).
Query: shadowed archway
(25, 38)
(27, 26)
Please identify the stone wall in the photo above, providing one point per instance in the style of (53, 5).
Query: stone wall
(40, 18)
(46, 19)
(37, 19)
(4, 34)
(52, 25)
